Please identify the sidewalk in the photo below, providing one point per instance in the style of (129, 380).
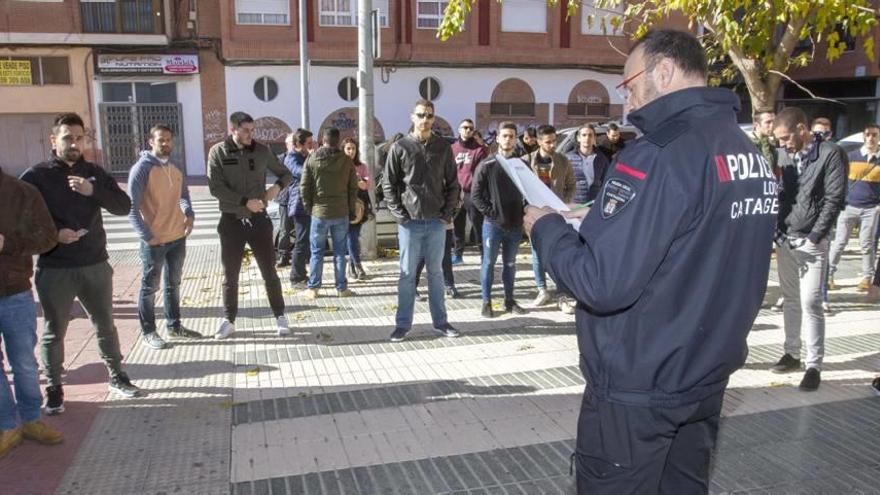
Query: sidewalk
(336, 408)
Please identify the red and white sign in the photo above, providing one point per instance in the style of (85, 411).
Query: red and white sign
(171, 64)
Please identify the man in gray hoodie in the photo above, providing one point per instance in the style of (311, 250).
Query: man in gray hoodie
(162, 215)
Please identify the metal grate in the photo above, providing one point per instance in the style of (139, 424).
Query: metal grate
(125, 131)
(122, 16)
(599, 109)
(512, 109)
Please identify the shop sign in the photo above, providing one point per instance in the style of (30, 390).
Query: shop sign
(15, 73)
(167, 64)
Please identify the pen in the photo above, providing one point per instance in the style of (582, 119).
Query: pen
(585, 205)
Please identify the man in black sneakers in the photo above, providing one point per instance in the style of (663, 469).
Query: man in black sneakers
(501, 205)
(75, 191)
(812, 191)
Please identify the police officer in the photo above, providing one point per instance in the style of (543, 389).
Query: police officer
(669, 269)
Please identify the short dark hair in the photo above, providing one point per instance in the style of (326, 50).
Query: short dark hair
(69, 119)
(507, 125)
(682, 47)
(821, 121)
(330, 137)
(546, 129)
(160, 128)
(531, 131)
(425, 103)
(611, 127)
(757, 113)
(872, 125)
(789, 118)
(300, 136)
(238, 118)
(466, 121)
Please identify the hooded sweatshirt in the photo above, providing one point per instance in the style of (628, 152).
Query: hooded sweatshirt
(160, 199)
(468, 154)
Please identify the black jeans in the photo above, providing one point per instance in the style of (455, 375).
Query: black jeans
(302, 251)
(468, 210)
(448, 278)
(630, 449)
(255, 232)
(57, 288)
(283, 238)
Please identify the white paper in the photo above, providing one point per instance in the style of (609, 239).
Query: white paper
(535, 192)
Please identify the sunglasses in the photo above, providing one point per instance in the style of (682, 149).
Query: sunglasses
(466, 128)
(426, 116)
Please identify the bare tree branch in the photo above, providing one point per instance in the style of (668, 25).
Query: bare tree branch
(805, 90)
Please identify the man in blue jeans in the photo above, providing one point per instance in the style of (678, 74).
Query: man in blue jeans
(328, 191)
(162, 215)
(421, 191)
(26, 229)
(494, 194)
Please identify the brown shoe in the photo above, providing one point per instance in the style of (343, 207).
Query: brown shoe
(864, 285)
(40, 432)
(9, 439)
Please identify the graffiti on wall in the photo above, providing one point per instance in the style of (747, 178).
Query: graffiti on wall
(215, 126)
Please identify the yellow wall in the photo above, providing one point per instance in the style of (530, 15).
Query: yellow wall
(53, 98)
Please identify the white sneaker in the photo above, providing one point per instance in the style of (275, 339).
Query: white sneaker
(225, 329)
(283, 327)
(542, 299)
(567, 305)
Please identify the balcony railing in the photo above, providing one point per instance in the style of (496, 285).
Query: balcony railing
(122, 16)
(512, 109)
(589, 109)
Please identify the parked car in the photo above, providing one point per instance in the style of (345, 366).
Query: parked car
(852, 142)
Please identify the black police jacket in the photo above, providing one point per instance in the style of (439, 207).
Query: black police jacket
(670, 266)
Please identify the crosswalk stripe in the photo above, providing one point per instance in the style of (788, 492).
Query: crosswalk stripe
(121, 236)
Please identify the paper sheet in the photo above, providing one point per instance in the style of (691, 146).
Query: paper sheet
(535, 192)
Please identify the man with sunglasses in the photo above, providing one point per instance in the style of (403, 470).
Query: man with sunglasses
(237, 169)
(421, 191)
(669, 269)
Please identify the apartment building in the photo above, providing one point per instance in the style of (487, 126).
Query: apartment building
(123, 65)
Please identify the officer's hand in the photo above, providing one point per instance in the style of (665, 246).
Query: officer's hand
(80, 185)
(272, 192)
(534, 214)
(67, 236)
(2, 241)
(188, 225)
(255, 205)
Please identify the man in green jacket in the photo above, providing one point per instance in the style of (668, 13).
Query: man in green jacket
(237, 170)
(329, 191)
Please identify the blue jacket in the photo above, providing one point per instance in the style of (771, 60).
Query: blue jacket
(670, 265)
(290, 195)
(584, 189)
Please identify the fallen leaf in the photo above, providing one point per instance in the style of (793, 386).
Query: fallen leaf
(526, 347)
(253, 371)
(324, 337)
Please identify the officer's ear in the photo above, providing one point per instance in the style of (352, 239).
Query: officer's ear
(664, 72)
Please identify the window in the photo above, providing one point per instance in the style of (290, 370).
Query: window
(348, 89)
(524, 16)
(344, 12)
(599, 17)
(430, 13)
(122, 16)
(142, 92)
(429, 88)
(268, 12)
(266, 88)
(46, 70)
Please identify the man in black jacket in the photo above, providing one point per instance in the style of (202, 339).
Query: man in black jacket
(812, 193)
(669, 269)
(501, 204)
(421, 190)
(75, 191)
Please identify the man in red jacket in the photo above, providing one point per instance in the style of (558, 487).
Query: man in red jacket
(468, 153)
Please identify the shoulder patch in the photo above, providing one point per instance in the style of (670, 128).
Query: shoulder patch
(668, 133)
(229, 161)
(616, 194)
